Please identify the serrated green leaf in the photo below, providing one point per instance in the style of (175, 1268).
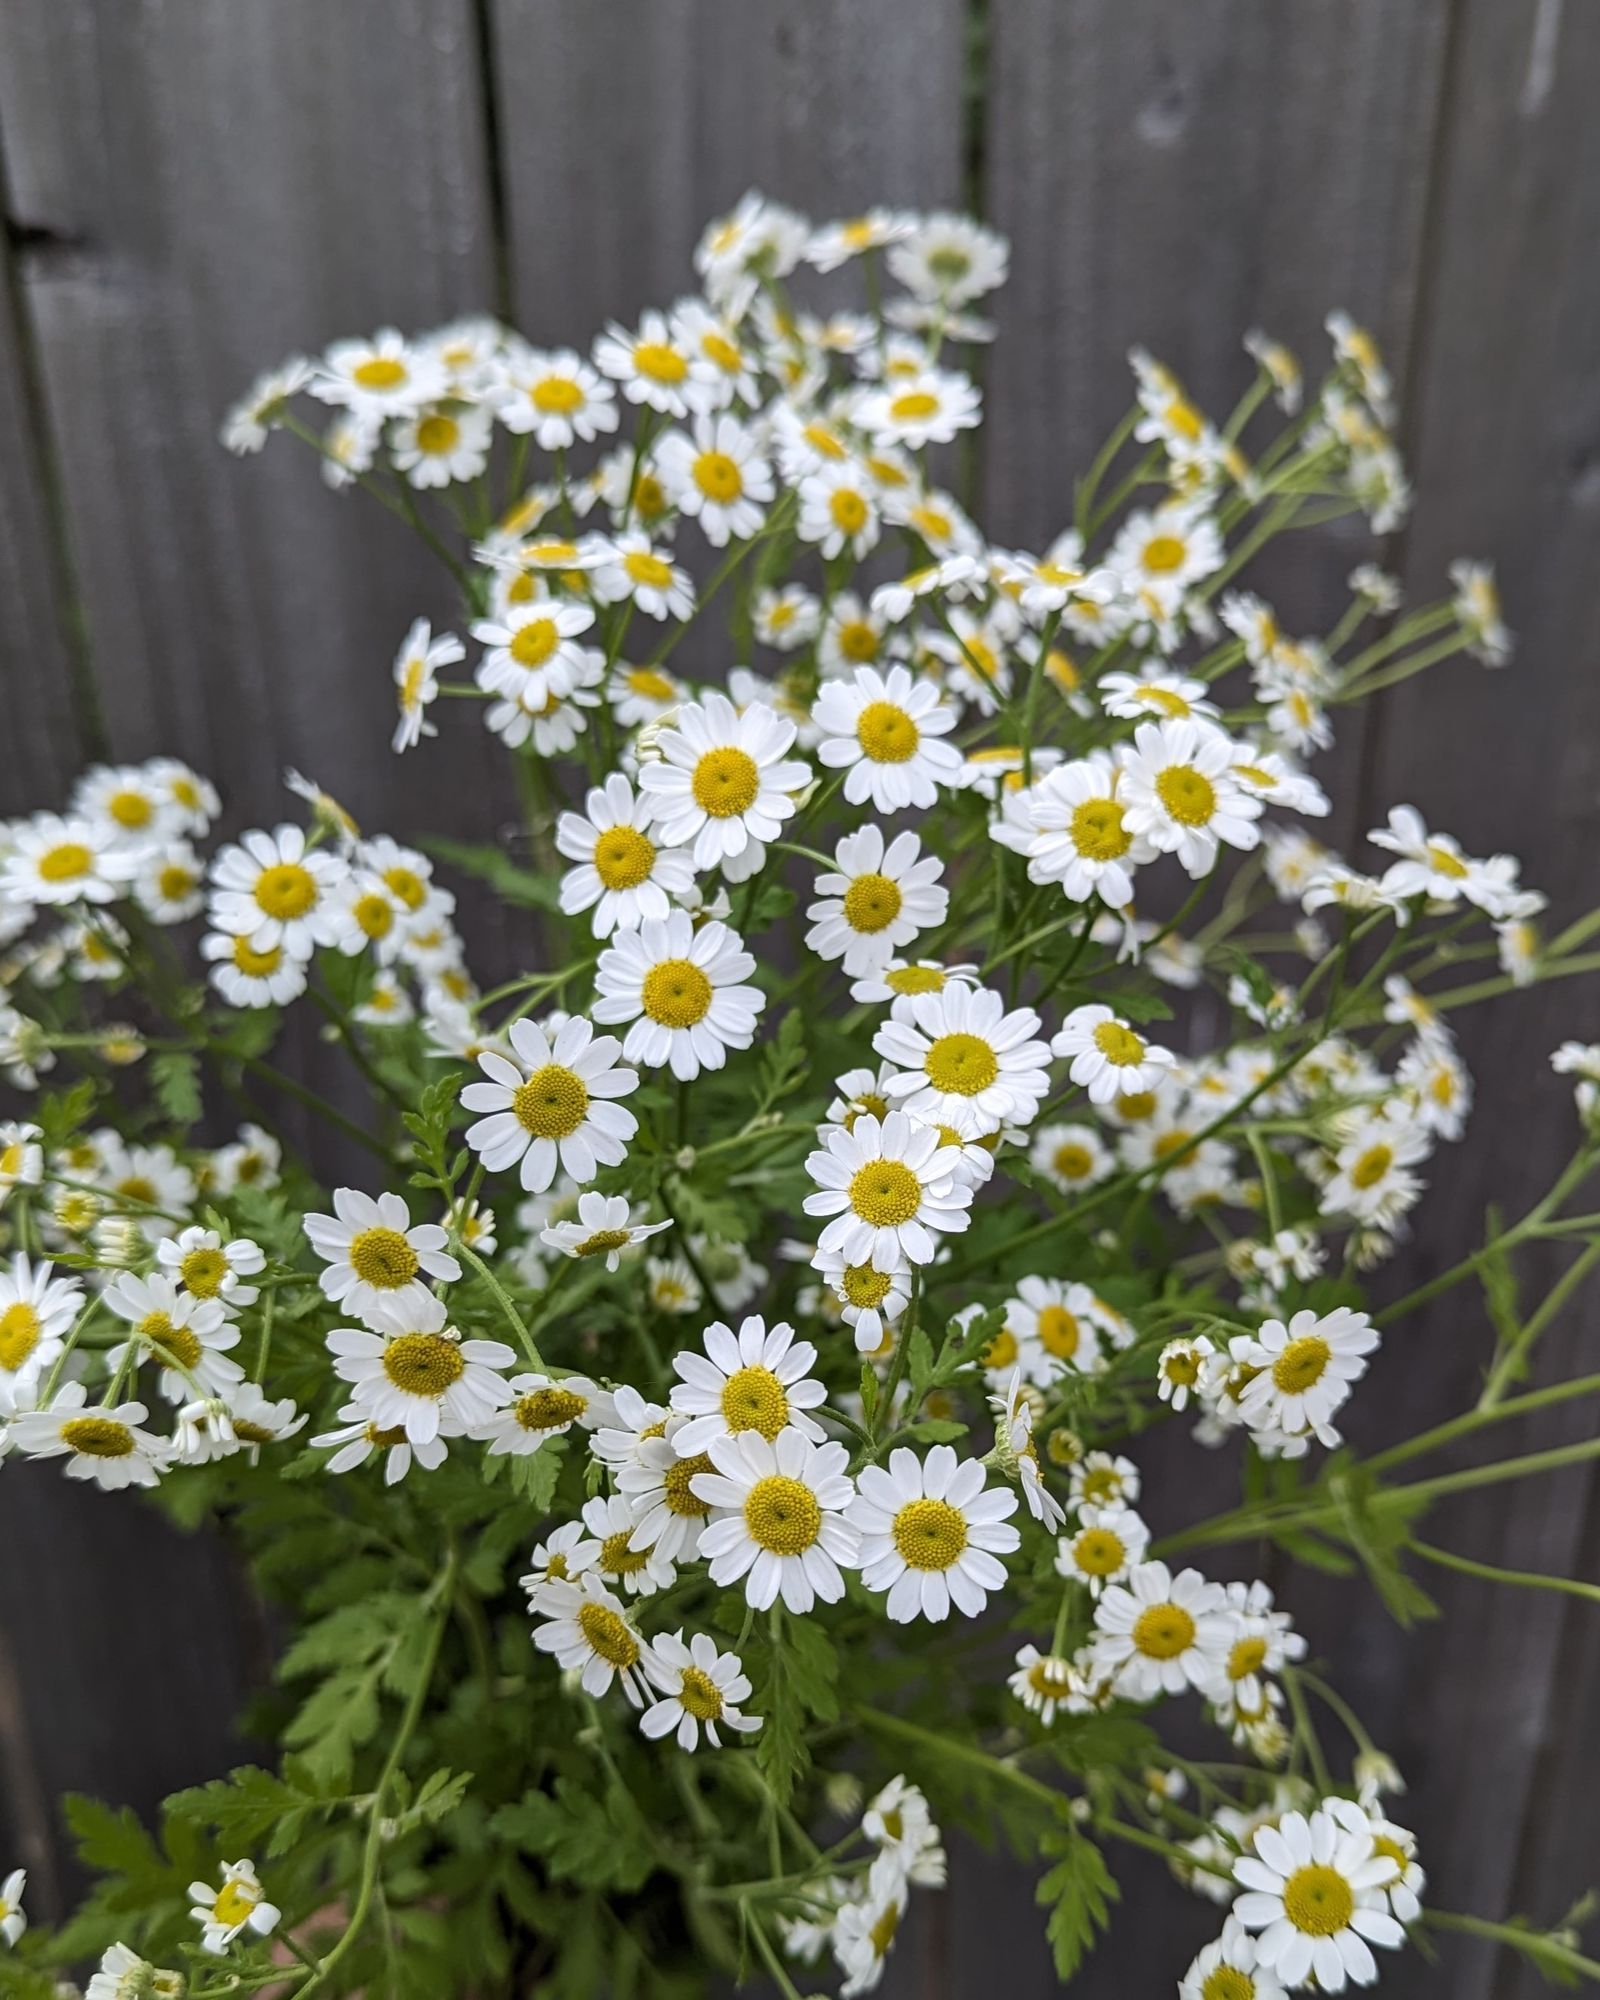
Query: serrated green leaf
(1078, 1892)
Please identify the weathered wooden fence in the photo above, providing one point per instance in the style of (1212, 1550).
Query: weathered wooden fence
(194, 187)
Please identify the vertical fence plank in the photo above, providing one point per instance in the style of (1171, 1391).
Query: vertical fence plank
(625, 129)
(42, 730)
(1506, 453)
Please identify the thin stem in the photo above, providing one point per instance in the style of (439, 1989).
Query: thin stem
(507, 1305)
(1526, 1579)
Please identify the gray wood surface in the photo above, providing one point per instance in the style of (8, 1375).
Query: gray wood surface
(196, 187)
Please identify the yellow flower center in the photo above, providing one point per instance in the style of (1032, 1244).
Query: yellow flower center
(248, 1433)
(718, 476)
(617, 1559)
(725, 782)
(1188, 795)
(679, 1490)
(717, 348)
(886, 733)
(1373, 1164)
(1318, 1900)
(549, 1408)
(1097, 830)
(881, 1935)
(1165, 553)
(533, 643)
(1119, 1045)
(782, 1515)
(1228, 1983)
(865, 1286)
(676, 993)
(65, 863)
(1182, 1369)
(385, 1436)
(930, 1534)
(20, 1331)
(97, 1437)
(1099, 1552)
(871, 903)
(623, 857)
(374, 915)
(658, 362)
(1301, 1364)
(1247, 1657)
(177, 1342)
(382, 371)
(822, 441)
(1391, 1850)
(130, 809)
(1072, 1161)
(438, 434)
(256, 964)
(1443, 862)
(602, 1243)
(552, 1104)
(407, 885)
(383, 1258)
(423, 1364)
(202, 1272)
(915, 979)
(1059, 1332)
(608, 1635)
(885, 1193)
(753, 1399)
(858, 641)
(914, 406)
(286, 890)
(961, 1064)
(174, 882)
(850, 512)
(556, 396)
(1163, 1632)
(235, 1901)
(1002, 1350)
(700, 1695)
(931, 523)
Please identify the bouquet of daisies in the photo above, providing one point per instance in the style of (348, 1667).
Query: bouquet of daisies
(694, 1443)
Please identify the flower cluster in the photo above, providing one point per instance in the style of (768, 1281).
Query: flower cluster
(946, 1055)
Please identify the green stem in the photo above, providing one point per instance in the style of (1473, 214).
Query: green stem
(1527, 1579)
(1513, 1362)
(506, 1303)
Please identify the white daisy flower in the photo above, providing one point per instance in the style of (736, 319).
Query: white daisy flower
(1433, 865)
(637, 572)
(259, 412)
(949, 260)
(701, 1689)
(239, 1904)
(103, 1444)
(722, 781)
(1180, 1368)
(877, 900)
(786, 618)
(358, 1437)
(169, 885)
(1109, 1058)
(779, 1518)
(1160, 1633)
(722, 370)
(642, 695)
(274, 890)
(52, 861)
(658, 1486)
(885, 731)
(652, 365)
(562, 1557)
(1263, 1641)
(853, 636)
(1477, 605)
(872, 1297)
(443, 444)
(556, 398)
(835, 243)
(422, 1377)
(542, 1407)
(866, 1926)
(1100, 1477)
(21, 1156)
(188, 1336)
(378, 1262)
(209, 1268)
(1372, 1178)
(1105, 1545)
(416, 679)
(128, 801)
(1313, 1889)
(1058, 1328)
(36, 1313)
(1017, 1453)
(1180, 793)
(684, 992)
(890, 1188)
(671, 1286)
(1230, 1966)
(921, 409)
(605, 1228)
(531, 652)
(1079, 833)
(734, 1275)
(623, 874)
(977, 660)
(966, 1061)
(932, 1533)
(624, 1560)
(1162, 554)
(717, 476)
(13, 1918)
(249, 976)
(901, 980)
(381, 377)
(554, 1103)
(1043, 1683)
(1167, 696)
(839, 511)
(587, 1630)
(900, 1825)
(1306, 1369)
(1071, 1157)
(758, 1382)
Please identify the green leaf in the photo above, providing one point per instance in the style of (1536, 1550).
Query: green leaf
(175, 1081)
(1078, 1892)
(251, 1809)
(506, 877)
(596, 1841)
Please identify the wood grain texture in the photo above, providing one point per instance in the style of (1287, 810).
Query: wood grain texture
(624, 130)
